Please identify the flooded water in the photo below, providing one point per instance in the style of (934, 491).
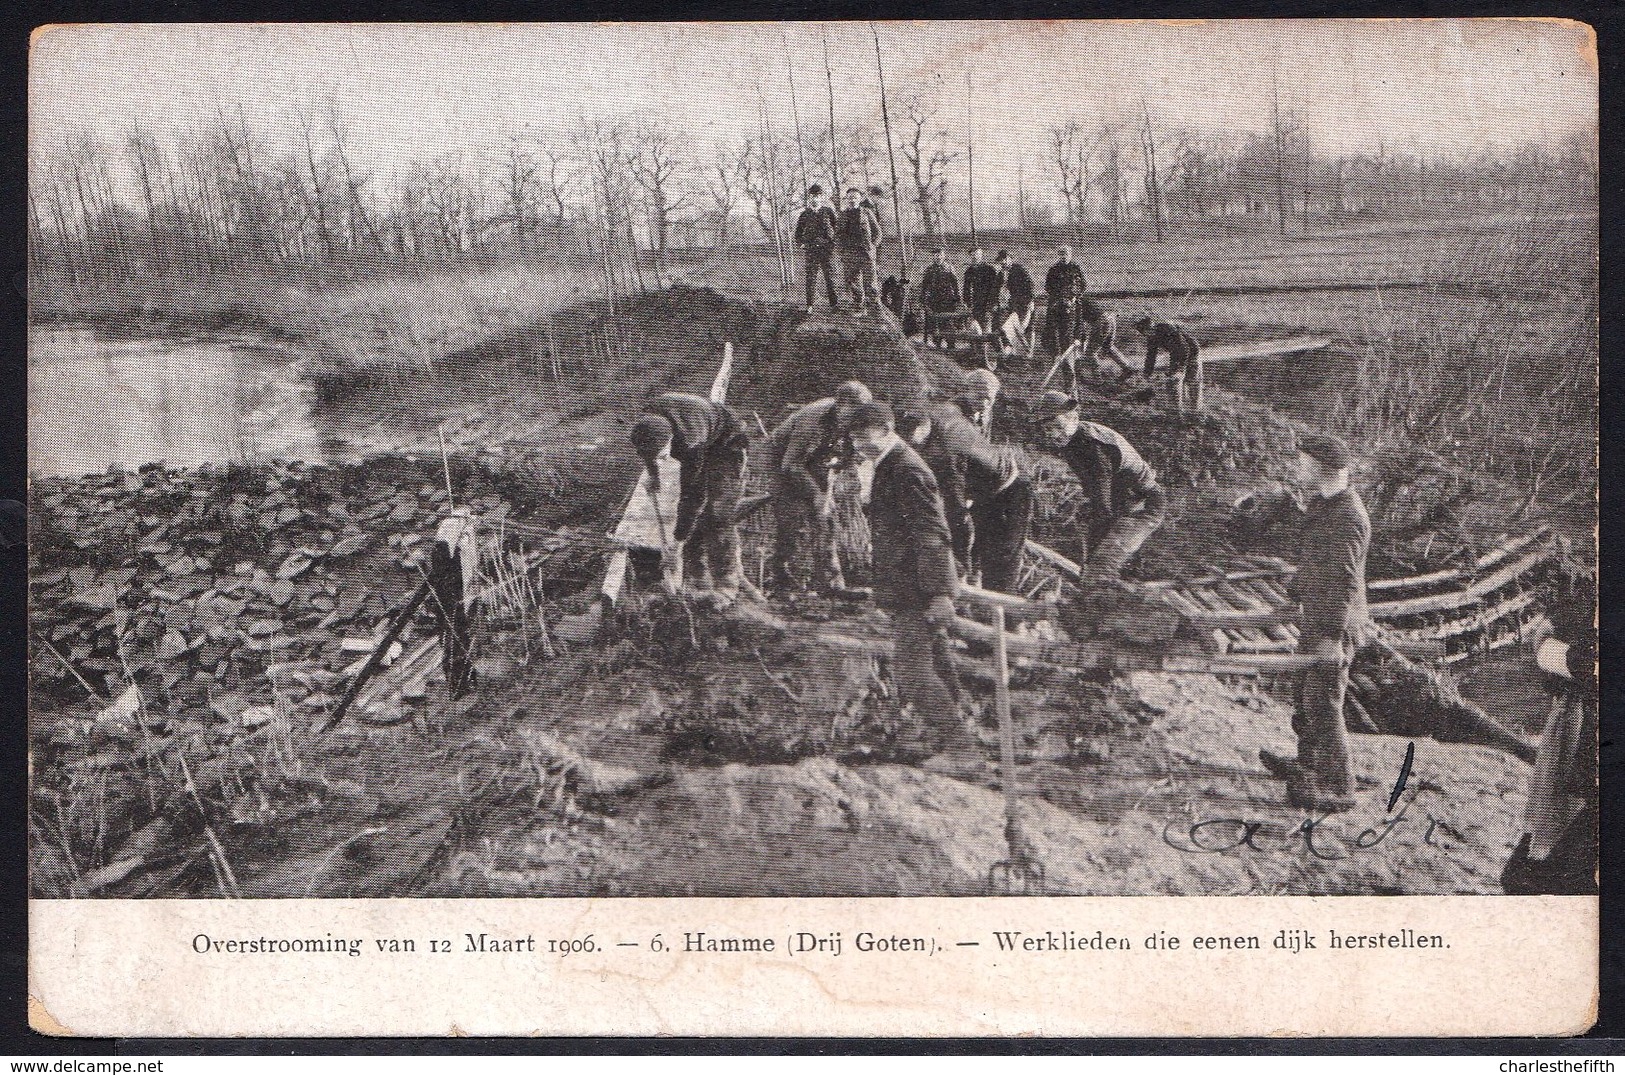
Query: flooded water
(96, 401)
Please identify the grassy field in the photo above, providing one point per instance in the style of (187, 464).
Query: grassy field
(1473, 339)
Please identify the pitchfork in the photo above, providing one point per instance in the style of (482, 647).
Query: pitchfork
(1019, 874)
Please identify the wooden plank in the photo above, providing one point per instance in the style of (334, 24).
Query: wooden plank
(647, 523)
(1205, 580)
(1197, 613)
(724, 378)
(1235, 352)
(1239, 594)
(1020, 606)
(1043, 552)
(1457, 598)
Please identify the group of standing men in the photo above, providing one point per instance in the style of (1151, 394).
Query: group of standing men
(855, 232)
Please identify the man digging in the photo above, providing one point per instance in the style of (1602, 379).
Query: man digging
(798, 454)
(1126, 504)
(708, 441)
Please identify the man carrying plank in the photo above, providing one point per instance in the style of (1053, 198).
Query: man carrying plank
(708, 442)
(1126, 505)
(800, 454)
(1184, 358)
(914, 580)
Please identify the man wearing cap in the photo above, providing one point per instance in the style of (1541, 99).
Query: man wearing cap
(801, 454)
(982, 284)
(987, 500)
(1329, 590)
(708, 441)
(1018, 285)
(858, 236)
(1126, 504)
(939, 293)
(914, 578)
(815, 234)
(1184, 358)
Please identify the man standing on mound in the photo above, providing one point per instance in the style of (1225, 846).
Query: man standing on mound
(914, 579)
(708, 441)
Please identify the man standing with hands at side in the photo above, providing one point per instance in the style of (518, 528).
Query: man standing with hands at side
(914, 577)
(815, 234)
(1332, 617)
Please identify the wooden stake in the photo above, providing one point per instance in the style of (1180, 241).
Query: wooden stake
(445, 466)
(834, 143)
(891, 156)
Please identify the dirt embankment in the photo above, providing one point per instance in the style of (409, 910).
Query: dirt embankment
(678, 754)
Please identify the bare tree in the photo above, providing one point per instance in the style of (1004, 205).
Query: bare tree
(652, 155)
(925, 147)
(726, 184)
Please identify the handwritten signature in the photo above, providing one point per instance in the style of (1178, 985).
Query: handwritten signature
(1217, 835)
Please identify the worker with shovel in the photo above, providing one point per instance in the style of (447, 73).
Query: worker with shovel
(801, 454)
(914, 580)
(1126, 505)
(708, 442)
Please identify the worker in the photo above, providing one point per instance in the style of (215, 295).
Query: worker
(1184, 357)
(1064, 333)
(1557, 852)
(708, 442)
(987, 499)
(858, 236)
(815, 234)
(801, 455)
(1064, 284)
(1018, 317)
(1125, 503)
(914, 579)
(982, 284)
(976, 399)
(1329, 606)
(939, 294)
(1100, 337)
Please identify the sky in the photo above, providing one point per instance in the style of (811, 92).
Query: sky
(414, 91)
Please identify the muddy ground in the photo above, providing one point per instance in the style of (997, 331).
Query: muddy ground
(676, 754)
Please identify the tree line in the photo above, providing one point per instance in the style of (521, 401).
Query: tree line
(618, 193)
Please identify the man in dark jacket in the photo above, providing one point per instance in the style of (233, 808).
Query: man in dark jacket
(1126, 505)
(1018, 285)
(1184, 357)
(982, 284)
(939, 294)
(1330, 610)
(1064, 284)
(815, 234)
(858, 236)
(914, 579)
(987, 499)
(708, 442)
(798, 454)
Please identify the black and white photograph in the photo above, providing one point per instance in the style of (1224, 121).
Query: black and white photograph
(847, 459)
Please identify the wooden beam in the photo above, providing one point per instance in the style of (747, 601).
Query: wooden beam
(1072, 571)
(1021, 606)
